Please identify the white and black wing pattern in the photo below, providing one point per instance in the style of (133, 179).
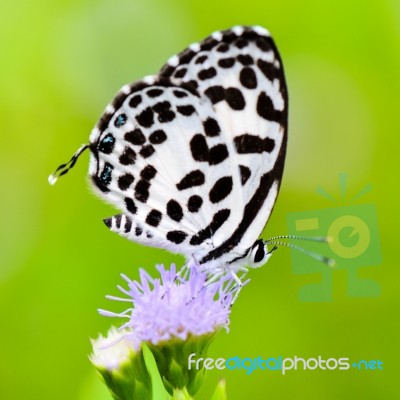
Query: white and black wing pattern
(241, 73)
(194, 155)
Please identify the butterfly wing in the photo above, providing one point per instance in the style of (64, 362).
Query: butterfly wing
(241, 73)
(194, 156)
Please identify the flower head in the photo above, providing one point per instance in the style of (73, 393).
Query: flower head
(113, 350)
(122, 368)
(175, 315)
(172, 307)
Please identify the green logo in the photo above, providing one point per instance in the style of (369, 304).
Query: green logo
(354, 244)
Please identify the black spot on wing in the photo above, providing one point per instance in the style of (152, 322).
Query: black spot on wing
(248, 78)
(130, 205)
(105, 176)
(142, 190)
(135, 101)
(128, 157)
(191, 85)
(202, 153)
(221, 189)
(146, 118)
(146, 151)
(153, 218)
(201, 59)
(217, 221)
(199, 148)
(180, 94)
(268, 69)
(128, 224)
(211, 127)
(118, 100)
(248, 144)
(263, 43)
(193, 178)
(107, 144)
(235, 99)
(99, 184)
(158, 137)
(208, 43)
(217, 154)
(174, 210)
(194, 203)
(208, 73)
(226, 62)
(240, 43)
(148, 172)
(135, 137)
(154, 92)
(143, 185)
(180, 73)
(120, 120)
(222, 48)
(215, 94)
(117, 220)
(124, 181)
(245, 174)
(245, 59)
(186, 110)
(104, 121)
(266, 110)
(163, 109)
(176, 237)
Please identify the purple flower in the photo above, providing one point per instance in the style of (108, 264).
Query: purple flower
(174, 306)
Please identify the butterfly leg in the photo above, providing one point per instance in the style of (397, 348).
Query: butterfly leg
(238, 283)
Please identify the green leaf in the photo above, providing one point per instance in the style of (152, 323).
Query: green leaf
(181, 394)
(220, 391)
(158, 389)
(171, 358)
(130, 381)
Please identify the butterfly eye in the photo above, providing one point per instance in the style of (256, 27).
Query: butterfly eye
(258, 252)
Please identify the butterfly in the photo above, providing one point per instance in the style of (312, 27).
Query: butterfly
(193, 156)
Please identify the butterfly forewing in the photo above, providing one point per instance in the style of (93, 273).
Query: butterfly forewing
(240, 72)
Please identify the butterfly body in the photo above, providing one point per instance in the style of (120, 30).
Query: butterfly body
(193, 156)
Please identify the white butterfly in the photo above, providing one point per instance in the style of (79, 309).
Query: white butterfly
(194, 155)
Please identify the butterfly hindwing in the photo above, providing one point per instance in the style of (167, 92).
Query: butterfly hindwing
(155, 165)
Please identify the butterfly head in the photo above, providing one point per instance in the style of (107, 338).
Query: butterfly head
(258, 254)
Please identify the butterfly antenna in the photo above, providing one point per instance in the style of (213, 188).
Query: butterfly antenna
(319, 239)
(319, 257)
(64, 168)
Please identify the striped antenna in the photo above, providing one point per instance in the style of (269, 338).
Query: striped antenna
(64, 168)
(326, 260)
(276, 241)
(319, 239)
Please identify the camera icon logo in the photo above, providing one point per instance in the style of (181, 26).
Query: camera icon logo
(353, 243)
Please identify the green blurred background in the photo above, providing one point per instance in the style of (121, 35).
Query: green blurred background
(63, 61)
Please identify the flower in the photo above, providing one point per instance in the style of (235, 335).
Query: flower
(122, 368)
(113, 350)
(175, 307)
(175, 315)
